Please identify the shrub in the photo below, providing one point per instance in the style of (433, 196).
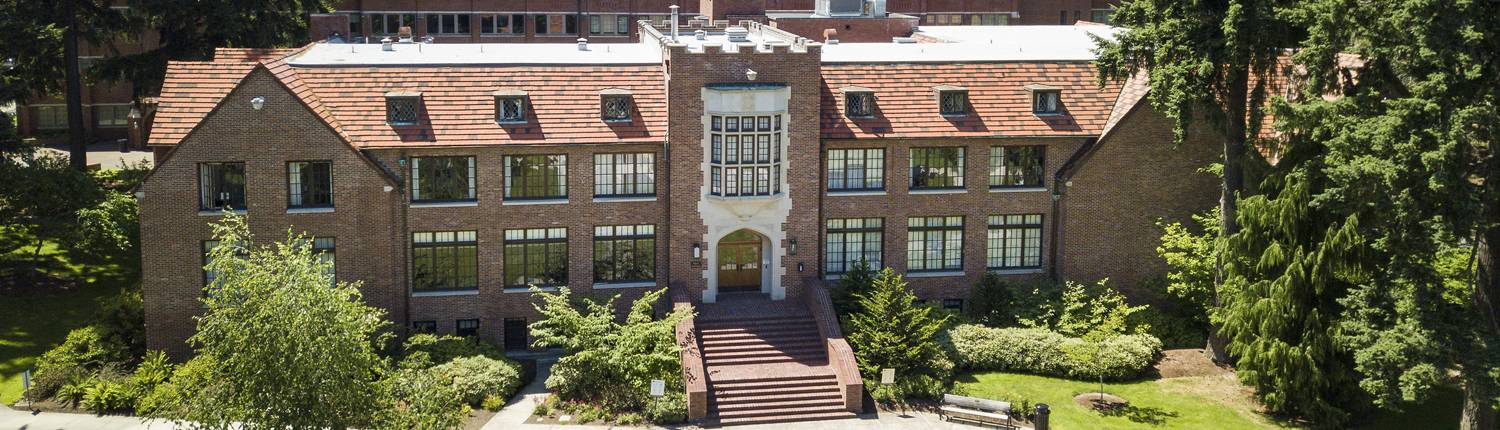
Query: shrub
(443, 349)
(420, 400)
(107, 396)
(845, 293)
(493, 402)
(1086, 309)
(71, 394)
(668, 409)
(190, 377)
(630, 419)
(1044, 352)
(890, 331)
(121, 320)
(609, 363)
(1175, 329)
(80, 356)
(998, 302)
(477, 377)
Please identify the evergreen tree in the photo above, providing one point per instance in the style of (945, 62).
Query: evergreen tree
(891, 331)
(1199, 56)
(851, 284)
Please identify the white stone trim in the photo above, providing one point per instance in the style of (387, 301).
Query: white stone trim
(534, 202)
(1019, 190)
(323, 210)
(527, 290)
(473, 292)
(621, 285)
(446, 204)
(1030, 271)
(220, 213)
(624, 199)
(856, 193)
(944, 274)
(940, 191)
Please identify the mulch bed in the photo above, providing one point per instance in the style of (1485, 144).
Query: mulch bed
(1101, 402)
(1178, 363)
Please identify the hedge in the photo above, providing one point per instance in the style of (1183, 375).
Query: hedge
(1041, 351)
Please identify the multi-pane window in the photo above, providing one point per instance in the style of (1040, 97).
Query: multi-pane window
(466, 328)
(624, 175)
(934, 243)
(614, 107)
(854, 240)
(556, 24)
(309, 184)
(1102, 16)
(1016, 166)
(536, 256)
(609, 24)
(402, 108)
(437, 179)
(324, 248)
(1045, 101)
(745, 155)
(1014, 242)
(624, 253)
(502, 24)
(221, 186)
(856, 169)
(859, 104)
(429, 327)
(112, 115)
(953, 304)
(510, 109)
(51, 117)
(448, 23)
(536, 177)
(953, 102)
(937, 168)
(990, 19)
(444, 261)
(210, 276)
(390, 23)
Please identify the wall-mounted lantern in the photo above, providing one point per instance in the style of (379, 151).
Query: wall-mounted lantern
(258, 102)
(697, 251)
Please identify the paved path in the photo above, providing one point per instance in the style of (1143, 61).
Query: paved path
(11, 419)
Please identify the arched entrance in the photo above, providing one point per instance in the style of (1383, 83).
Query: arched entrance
(741, 262)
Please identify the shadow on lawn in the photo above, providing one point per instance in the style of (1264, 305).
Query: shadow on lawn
(1144, 415)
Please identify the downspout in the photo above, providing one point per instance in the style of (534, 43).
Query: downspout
(1059, 188)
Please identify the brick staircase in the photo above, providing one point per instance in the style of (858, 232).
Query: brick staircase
(768, 369)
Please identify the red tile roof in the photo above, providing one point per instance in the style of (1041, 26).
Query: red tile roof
(190, 91)
(458, 105)
(906, 104)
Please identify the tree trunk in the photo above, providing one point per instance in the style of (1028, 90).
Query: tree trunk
(77, 142)
(1479, 411)
(1235, 105)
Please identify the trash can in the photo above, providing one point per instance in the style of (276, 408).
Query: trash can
(1041, 416)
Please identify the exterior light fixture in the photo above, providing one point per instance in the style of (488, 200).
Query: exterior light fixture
(697, 251)
(258, 102)
(10, 63)
(751, 74)
(793, 248)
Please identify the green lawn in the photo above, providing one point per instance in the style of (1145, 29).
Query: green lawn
(1207, 402)
(36, 319)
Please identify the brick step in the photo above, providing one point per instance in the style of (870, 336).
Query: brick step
(769, 411)
(765, 380)
(712, 322)
(815, 402)
(760, 329)
(795, 417)
(773, 400)
(815, 387)
(758, 360)
(759, 344)
(767, 352)
(757, 323)
(782, 335)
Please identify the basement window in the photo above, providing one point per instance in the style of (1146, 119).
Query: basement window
(615, 105)
(401, 108)
(510, 106)
(1045, 99)
(952, 101)
(859, 102)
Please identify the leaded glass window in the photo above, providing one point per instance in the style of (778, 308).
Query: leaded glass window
(402, 109)
(856, 169)
(745, 155)
(221, 186)
(953, 102)
(510, 109)
(1016, 166)
(438, 179)
(536, 177)
(616, 107)
(859, 104)
(937, 168)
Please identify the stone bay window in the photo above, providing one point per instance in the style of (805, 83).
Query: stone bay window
(745, 158)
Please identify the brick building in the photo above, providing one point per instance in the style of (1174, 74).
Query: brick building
(721, 163)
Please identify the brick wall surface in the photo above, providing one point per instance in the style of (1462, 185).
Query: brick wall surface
(1135, 177)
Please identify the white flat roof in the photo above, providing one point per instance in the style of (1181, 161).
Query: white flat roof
(407, 54)
(978, 43)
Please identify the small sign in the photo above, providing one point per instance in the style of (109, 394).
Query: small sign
(26, 380)
(887, 376)
(658, 388)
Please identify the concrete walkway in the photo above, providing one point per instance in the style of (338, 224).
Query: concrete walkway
(11, 419)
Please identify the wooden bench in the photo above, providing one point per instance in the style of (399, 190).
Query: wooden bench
(975, 410)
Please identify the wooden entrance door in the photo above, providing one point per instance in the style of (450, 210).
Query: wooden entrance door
(740, 262)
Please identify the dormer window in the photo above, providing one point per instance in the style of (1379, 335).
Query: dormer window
(859, 102)
(1045, 99)
(510, 106)
(952, 101)
(615, 105)
(401, 107)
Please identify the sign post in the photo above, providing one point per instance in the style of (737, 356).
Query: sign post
(658, 388)
(888, 379)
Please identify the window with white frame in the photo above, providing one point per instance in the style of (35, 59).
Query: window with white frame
(439, 179)
(112, 116)
(745, 158)
(625, 175)
(502, 24)
(309, 184)
(609, 24)
(556, 23)
(1017, 166)
(624, 253)
(856, 169)
(323, 248)
(466, 328)
(536, 177)
(221, 186)
(444, 261)
(990, 19)
(935, 244)
(51, 117)
(536, 256)
(851, 241)
(387, 24)
(1014, 242)
(448, 23)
